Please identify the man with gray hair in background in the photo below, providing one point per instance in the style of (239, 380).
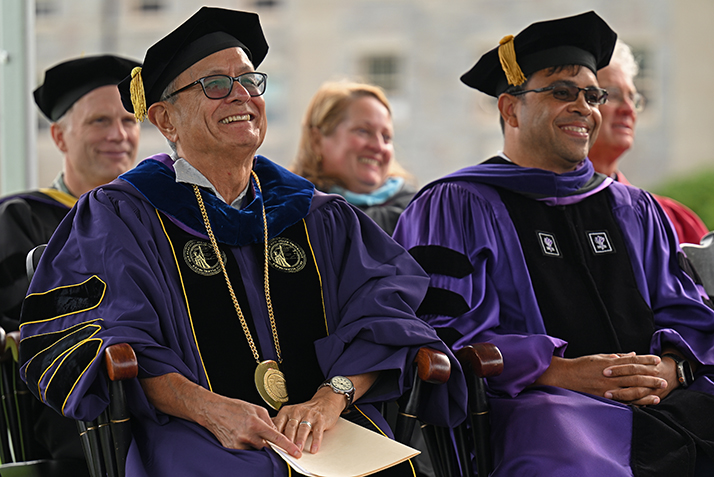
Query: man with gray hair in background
(617, 133)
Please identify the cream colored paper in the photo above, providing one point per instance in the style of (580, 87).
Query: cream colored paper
(349, 450)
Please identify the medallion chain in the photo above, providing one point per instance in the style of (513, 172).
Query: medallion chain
(266, 281)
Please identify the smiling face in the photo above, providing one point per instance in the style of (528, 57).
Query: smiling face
(547, 133)
(99, 139)
(618, 117)
(202, 128)
(358, 152)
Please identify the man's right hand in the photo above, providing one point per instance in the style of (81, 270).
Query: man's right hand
(639, 385)
(241, 425)
(236, 424)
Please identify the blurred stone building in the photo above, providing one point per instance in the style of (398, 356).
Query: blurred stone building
(416, 50)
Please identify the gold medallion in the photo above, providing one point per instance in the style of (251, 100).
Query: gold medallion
(270, 383)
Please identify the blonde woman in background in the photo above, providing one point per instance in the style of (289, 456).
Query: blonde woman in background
(346, 148)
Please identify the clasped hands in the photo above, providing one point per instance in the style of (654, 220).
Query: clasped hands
(629, 378)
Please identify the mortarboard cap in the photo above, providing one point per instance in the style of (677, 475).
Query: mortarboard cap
(583, 39)
(66, 82)
(208, 31)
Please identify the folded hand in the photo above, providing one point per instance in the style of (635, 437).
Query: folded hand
(630, 378)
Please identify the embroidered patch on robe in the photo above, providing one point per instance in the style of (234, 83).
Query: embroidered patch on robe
(548, 244)
(600, 242)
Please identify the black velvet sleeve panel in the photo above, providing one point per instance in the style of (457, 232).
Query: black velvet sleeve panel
(49, 353)
(439, 301)
(63, 301)
(449, 335)
(69, 371)
(435, 259)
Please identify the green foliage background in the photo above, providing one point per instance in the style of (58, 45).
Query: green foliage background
(695, 191)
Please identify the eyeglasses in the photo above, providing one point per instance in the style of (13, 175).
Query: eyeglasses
(220, 86)
(593, 96)
(638, 101)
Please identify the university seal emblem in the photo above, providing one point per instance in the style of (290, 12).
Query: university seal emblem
(200, 257)
(285, 255)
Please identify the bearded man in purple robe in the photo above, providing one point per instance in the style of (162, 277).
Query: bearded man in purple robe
(260, 310)
(608, 348)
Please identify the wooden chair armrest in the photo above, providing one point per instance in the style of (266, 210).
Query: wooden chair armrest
(479, 361)
(121, 362)
(484, 359)
(433, 366)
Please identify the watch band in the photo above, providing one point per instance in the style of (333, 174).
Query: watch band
(684, 370)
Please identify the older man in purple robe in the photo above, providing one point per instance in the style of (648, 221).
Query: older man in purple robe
(607, 346)
(260, 310)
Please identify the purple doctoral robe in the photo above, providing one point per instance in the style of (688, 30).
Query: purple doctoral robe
(549, 431)
(370, 288)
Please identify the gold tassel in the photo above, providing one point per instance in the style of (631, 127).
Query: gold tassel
(138, 97)
(507, 55)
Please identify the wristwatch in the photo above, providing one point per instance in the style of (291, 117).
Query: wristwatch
(341, 385)
(684, 370)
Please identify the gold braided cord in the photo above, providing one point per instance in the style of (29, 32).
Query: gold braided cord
(236, 305)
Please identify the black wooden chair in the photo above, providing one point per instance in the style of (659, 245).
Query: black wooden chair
(105, 441)
(451, 450)
(21, 455)
(479, 362)
(432, 368)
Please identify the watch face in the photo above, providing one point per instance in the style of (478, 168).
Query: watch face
(341, 383)
(685, 372)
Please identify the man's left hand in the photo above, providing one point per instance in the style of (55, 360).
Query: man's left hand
(639, 395)
(321, 412)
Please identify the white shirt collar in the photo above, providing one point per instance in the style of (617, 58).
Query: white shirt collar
(502, 155)
(186, 173)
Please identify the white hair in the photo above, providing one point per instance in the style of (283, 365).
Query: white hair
(622, 56)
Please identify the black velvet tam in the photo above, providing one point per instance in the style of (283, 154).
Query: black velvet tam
(67, 82)
(583, 39)
(208, 31)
